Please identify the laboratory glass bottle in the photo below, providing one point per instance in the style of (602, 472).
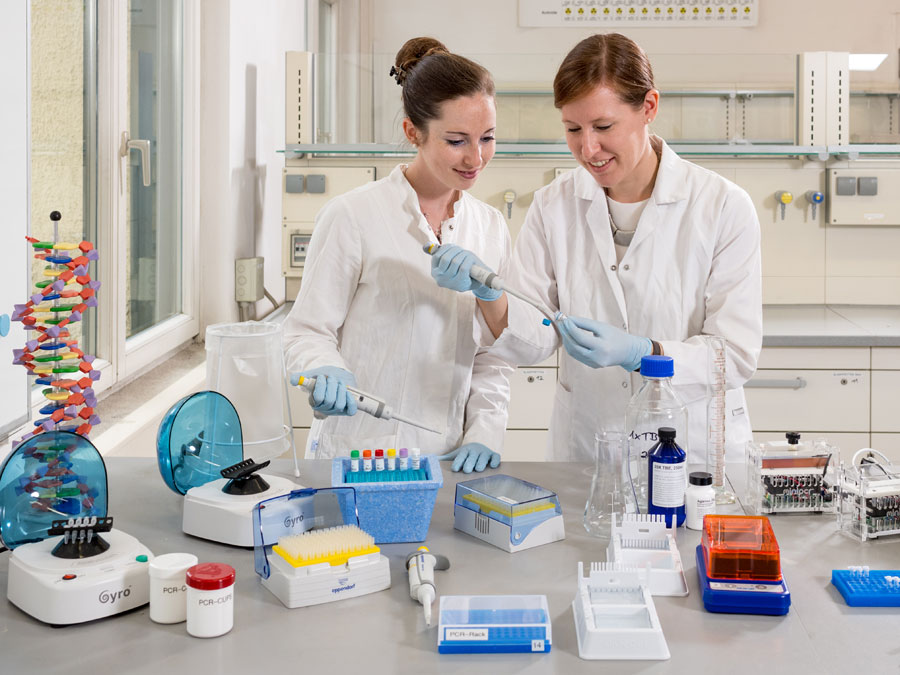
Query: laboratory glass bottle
(654, 405)
(666, 485)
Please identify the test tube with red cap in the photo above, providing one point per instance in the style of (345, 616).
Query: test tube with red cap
(379, 460)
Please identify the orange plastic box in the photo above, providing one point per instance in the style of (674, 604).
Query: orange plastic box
(740, 547)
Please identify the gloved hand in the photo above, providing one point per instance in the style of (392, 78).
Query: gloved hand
(597, 344)
(472, 456)
(330, 395)
(450, 266)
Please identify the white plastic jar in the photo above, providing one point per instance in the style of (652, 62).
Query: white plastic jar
(210, 599)
(699, 499)
(168, 589)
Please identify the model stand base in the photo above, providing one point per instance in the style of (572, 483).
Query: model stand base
(63, 591)
(212, 514)
(317, 584)
(643, 540)
(615, 617)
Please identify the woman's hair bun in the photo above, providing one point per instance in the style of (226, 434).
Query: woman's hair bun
(411, 53)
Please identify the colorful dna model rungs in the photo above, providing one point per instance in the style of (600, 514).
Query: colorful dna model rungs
(53, 355)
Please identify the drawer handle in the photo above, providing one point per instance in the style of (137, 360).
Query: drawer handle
(759, 383)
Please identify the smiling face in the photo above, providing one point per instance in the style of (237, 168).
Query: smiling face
(458, 144)
(610, 139)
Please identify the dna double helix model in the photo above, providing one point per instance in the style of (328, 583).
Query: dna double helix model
(52, 355)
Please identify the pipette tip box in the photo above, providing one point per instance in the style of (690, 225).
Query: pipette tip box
(510, 513)
(395, 511)
(739, 566)
(862, 587)
(492, 624)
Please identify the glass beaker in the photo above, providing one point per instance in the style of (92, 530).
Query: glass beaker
(606, 497)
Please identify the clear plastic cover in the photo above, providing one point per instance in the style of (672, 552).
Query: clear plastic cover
(507, 499)
(296, 513)
(55, 475)
(792, 476)
(198, 437)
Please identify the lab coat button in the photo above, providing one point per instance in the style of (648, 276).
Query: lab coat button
(451, 226)
(612, 267)
(624, 385)
(625, 267)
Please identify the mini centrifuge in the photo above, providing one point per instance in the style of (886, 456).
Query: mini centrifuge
(200, 454)
(68, 565)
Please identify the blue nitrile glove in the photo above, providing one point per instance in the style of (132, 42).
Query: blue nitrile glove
(330, 395)
(472, 456)
(597, 344)
(450, 266)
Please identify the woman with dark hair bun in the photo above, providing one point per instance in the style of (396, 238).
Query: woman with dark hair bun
(654, 253)
(368, 315)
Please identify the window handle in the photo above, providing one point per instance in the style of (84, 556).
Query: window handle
(141, 146)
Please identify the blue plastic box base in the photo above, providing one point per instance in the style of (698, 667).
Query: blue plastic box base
(767, 598)
(867, 591)
(397, 511)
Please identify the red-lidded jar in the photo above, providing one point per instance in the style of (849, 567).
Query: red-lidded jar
(210, 599)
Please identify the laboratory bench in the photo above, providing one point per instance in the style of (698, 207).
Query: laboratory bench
(831, 326)
(385, 632)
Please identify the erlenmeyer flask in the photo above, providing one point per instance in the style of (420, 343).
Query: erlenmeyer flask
(606, 496)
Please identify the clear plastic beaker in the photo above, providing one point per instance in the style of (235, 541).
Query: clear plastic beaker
(606, 497)
(245, 363)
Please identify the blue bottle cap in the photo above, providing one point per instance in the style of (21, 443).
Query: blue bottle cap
(657, 366)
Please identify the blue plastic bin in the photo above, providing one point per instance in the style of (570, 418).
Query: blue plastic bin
(397, 511)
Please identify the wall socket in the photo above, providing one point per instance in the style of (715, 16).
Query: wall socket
(248, 279)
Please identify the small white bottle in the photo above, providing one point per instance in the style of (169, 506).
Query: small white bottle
(414, 458)
(168, 589)
(699, 499)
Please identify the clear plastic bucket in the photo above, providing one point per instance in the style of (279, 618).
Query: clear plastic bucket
(245, 363)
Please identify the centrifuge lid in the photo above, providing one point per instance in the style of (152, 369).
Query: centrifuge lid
(198, 437)
(55, 475)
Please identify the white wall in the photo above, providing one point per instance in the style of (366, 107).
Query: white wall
(242, 127)
(527, 58)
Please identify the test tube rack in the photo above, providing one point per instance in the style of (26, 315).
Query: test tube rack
(862, 587)
(644, 541)
(869, 499)
(792, 477)
(615, 617)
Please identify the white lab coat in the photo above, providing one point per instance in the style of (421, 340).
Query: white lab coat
(367, 303)
(692, 268)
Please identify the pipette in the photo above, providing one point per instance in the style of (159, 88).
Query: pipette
(368, 403)
(491, 280)
(420, 565)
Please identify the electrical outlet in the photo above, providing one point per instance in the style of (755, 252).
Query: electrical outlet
(248, 279)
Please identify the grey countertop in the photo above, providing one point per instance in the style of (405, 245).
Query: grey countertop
(831, 326)
(384, 632)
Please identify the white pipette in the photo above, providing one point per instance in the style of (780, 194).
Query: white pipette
(368, 403)
(420, 565)
(491, 280)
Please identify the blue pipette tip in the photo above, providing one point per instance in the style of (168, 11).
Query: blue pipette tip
(545, 321)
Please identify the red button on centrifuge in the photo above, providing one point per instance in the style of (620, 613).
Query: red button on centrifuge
(69, 577)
